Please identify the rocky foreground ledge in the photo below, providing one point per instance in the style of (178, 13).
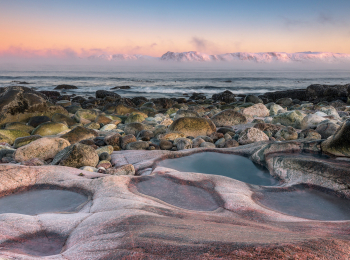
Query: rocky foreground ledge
(107, 149)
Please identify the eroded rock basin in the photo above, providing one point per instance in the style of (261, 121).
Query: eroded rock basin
(184, 194)
(35, 202)
(305, 202)
(229, 165)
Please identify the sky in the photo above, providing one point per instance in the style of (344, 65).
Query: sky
(67, 28)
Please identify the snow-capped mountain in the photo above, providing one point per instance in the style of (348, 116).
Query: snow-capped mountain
(119, 57)
(260, 57)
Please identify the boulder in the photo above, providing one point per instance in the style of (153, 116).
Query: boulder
(330, 111)
(108, 127)
(165, 144)
(226, 96)
(113, 139)
(193, 126)
(286, 102)
(309, 134)
(229, 117)
(105, 93)
(49, 128)
(171, 135)
(87, 114)
(135, 118)
(18, 104)
(276, 109)
(327, 129)
(252, 99)
(60, 118)
(290, 118)
(288, 133)
(252, 135)
(9, 136)
(19, 126)
(258, 110)
(65, 86)
(138, 145)
(339, 143)
(80, 155)
(102, 119)
(186, 113)
(79, 133)
(43, 148)
(133, 128)
(105, 149)
(126, 140)
(182, 143)
(311, 121)
(21, 141)
(38, 120)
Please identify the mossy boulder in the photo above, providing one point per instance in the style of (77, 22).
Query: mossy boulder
(122, 110)
(21, 141)
(9, 136)
(19, 126)
(193, 126)
(87, 114)
(229, 117)
(135, 118)
(79, 155)
(43, 148)
(79, 133)
(49, 128)
(291, 118)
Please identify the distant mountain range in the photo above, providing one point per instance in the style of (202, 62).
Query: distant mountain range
(260, 57)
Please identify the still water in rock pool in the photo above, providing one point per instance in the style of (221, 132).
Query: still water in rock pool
(229, 165)
(42, 201)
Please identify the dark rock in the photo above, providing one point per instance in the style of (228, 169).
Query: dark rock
(138, 101)
(37, 120)
(105, 93)
(65, 86)
(285, 102)
(163, 103)
(145, 135)
(198, 96)
(126, 140)
(226, 96)
(105, 156)
(20, 103)
(121, 87)
(113, 139)
(339, 143)
(165, 144)
(133, 128)
(293, 94)
(252, 99)
(51, 94)
(318, 93)
(139, 145)
(60, 118)
(79, 99)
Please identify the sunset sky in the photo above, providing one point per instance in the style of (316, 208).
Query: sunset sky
(69, 28)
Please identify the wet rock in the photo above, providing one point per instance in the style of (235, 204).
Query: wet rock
(126, 140)
(339, 143)
(192, 126)
(127, 169)
(65, 86)
(292, 118)
(79, 133)
(138, 145)
(18, 104)
(49, 128)
(327, 129)
(43, 148)
(9, 136)
(309, 134)
(288, 133)
(226, 96)
(229, 117)
(259, 110)
(252, 99)
(21, 141)
(252, 135)
(19, 126)
(80, 155)
(311, 121)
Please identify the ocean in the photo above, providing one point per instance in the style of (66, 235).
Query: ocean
(171, 82)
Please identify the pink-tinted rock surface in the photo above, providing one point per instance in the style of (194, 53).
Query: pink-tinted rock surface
(176, 215)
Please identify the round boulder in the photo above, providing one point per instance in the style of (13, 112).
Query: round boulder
(49, 128)
(80, 155)
(252, 135)
(229, 117)
(339, 143)
(193, 126)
